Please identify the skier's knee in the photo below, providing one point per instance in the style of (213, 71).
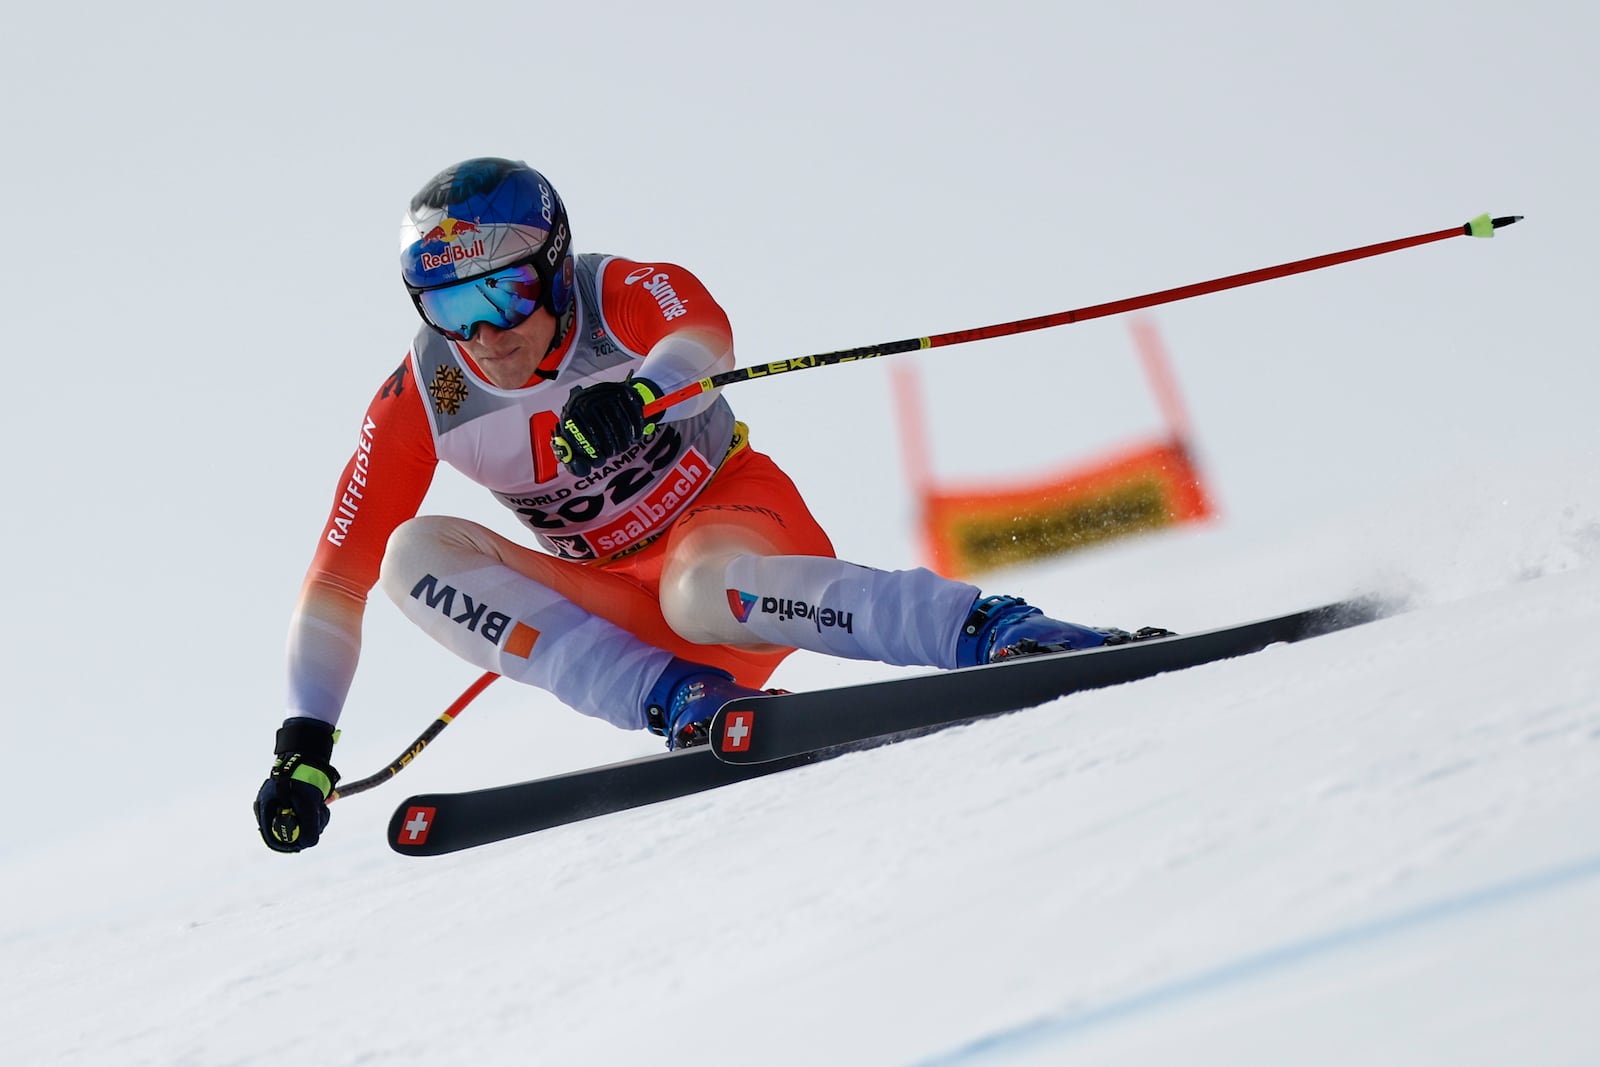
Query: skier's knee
(427, 543)
(694, 602)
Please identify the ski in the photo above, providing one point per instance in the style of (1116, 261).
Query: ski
(765, 735)
(431, 824)
(758, 729)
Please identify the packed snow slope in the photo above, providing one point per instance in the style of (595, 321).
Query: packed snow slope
(1382, 845)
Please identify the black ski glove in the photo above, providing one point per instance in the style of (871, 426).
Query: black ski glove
(292, 806)
(603, 420)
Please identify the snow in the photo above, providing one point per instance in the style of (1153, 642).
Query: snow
(1377, 847)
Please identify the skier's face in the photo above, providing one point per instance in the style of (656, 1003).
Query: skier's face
(508, 357)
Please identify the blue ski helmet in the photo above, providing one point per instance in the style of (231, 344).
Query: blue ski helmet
(481, 216)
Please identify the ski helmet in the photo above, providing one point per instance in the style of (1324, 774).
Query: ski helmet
(480, 217)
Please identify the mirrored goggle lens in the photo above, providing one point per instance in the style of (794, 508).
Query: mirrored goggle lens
(503, 299)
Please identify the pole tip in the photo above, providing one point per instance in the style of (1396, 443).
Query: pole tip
(1484, 226)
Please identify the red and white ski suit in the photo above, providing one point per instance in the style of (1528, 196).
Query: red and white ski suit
(588, 618)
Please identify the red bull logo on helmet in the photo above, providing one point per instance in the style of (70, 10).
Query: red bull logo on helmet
(453, 232)
(449, 229)
(453, 254)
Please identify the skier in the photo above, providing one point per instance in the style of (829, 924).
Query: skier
(680, 565)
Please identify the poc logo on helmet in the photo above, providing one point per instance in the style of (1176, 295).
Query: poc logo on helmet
(558, 245)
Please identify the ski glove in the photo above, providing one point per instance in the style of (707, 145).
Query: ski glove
(292, 806)
(603, 420)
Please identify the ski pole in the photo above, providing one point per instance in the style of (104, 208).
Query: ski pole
(1482, 226)
(419, 744)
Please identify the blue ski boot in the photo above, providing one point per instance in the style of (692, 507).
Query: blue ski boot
(681, 703)
(1004, 626)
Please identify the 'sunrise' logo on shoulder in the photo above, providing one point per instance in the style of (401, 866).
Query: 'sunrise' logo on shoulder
(659, 285)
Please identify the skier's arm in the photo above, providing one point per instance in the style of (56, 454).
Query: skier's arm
(382, 485)
(665, 312)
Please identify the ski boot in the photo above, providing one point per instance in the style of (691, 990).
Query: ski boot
(1004, 626)
(684, 699)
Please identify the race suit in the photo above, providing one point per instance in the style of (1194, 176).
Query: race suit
(588, 602)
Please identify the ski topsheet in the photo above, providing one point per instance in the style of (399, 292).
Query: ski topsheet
(433, 823)
(764, 735)
(757, 729)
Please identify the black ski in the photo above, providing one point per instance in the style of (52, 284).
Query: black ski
(758, 729)
(796, 729)
(431, 824)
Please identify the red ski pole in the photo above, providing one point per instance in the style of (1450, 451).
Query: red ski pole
(400, 761)
(1482, 226)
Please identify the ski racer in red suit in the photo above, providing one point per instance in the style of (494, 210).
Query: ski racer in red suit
(677, 566)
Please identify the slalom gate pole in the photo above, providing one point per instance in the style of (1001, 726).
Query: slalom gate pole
(419, 744)
(1482, 226)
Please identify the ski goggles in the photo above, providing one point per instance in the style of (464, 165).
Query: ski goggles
(503, 299)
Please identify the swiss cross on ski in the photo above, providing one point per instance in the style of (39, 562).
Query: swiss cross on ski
(736, 731)
(414, 829)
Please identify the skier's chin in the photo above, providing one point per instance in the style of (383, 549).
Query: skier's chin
(503, 366)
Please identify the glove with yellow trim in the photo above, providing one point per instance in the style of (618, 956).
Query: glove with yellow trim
(603, 420)
(292, 806)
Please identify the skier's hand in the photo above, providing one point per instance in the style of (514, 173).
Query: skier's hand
(603, 420)
(292, 806)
